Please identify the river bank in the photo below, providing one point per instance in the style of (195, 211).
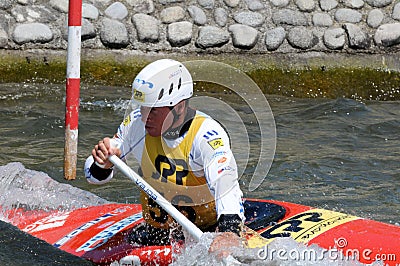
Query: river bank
(303, 75)
(301, 48)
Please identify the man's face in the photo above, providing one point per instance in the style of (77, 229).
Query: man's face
(157, 119)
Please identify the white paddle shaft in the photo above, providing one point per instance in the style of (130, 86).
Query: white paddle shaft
(191, 228)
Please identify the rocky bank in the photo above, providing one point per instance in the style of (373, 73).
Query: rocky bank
(207, 26)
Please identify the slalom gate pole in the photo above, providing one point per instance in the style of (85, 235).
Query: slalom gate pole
(72, 88)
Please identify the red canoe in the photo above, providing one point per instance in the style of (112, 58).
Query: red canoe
(99, 233)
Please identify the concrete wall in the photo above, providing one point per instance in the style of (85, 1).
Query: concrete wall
(207, 26)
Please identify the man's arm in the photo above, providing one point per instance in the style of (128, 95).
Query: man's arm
(129, 138)
(220, 169)
(228, 195)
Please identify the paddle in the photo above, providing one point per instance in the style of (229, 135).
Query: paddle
(191, 228)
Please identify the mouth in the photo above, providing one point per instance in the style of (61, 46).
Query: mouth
(147, 126)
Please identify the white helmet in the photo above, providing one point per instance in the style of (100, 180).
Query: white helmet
(164, 82)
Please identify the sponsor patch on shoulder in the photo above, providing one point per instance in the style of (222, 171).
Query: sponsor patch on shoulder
(127, 120)
(216, 143)
(222, 160)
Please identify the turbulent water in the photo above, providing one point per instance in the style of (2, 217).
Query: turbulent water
(338, 154)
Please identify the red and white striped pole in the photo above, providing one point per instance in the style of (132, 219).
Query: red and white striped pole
(72, 88)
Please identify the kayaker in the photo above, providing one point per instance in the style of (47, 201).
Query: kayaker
(182, 152)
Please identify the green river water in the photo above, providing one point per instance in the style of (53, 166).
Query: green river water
(334, 152)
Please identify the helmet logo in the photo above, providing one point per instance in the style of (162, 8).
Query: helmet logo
(175, 73)
(138, 95)
(143, 82)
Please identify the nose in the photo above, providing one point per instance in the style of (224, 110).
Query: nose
(145, 111)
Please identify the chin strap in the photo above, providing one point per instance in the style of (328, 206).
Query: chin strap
(174, 133)
(174, 113)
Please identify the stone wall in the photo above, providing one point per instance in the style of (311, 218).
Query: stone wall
(207, 26)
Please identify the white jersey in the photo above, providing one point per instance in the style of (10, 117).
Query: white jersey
(215, 162)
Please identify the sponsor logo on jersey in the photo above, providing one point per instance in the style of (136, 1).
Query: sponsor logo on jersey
(222, 160)
(127, 120)
(226, 168)
(216, 143)
(218, 153)
(210, 134)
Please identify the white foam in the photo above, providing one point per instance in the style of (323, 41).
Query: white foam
(281, 251)
(29, 189)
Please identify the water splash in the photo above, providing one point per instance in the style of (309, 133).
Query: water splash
(282, 252)
(95, 104)
(34, 190)
(196, 253)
